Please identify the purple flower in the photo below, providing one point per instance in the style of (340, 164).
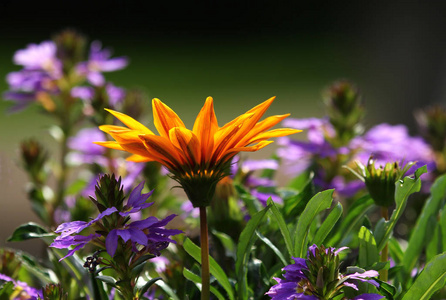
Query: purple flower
(86, 151)
(31, 293)
(115, 94)
(100, 61)
(303, 280)
(85, 93)
(147, 232)
(392, 143)
(136, 201)
(40, 57)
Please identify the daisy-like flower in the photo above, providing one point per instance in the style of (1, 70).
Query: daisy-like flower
(200, 157)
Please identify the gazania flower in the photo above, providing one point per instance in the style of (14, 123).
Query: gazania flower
(200, 157)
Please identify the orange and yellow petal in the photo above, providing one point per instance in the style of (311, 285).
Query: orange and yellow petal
(162, 149)
(205, 127)
(110, 144)
(186, 142)
(130, 122)
(164, 118)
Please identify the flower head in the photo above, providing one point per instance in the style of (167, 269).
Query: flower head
(318, 277)
(200, 157)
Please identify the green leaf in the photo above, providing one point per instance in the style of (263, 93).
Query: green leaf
(246, 241)
(327, 225)
(403, 189)
(386, 289)
(304, 190)
(215, 269)
(28, 231)
(282, 227)
(318, 203)
(395, 251)
(107, 279)
(422, 233)
(352, 220)
(227, 242)
(368, 253)
(197, 280)
(431, 279)
(272, 247)
(6, 290)
(166, 288)
(148, 284)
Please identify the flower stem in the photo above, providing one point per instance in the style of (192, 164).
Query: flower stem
(384, 274)
(205, 275)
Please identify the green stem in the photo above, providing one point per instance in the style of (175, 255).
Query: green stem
(205, 275)
(384, 273)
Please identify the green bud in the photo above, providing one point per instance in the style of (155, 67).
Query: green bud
(380, 182)
(54, 292)
(345, 110)
(70, 48)
(34, 158)
(109, 193)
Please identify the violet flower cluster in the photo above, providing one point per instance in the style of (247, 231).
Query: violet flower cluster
(22, 289)
(318, 277)
(45, 74)
(384, 142)
(112, 227)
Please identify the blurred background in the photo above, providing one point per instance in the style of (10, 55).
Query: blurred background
(238, 52)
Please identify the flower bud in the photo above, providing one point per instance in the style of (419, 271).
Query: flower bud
(109, 193)
(380, 182)
(34, 157)
(70, 48)
(54, 292)
(345, 110)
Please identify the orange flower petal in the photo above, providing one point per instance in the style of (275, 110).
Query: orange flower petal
(205, 127)
(164, 118)
(273, 133)
(163, 151)
(109, 144)
(108, 128)
(139, 158)
(187, 142)
(233, 151)
(130, 122)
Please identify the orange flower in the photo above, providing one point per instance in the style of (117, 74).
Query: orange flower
(200, 157)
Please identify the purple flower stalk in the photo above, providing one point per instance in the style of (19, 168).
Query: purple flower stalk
(317, 277)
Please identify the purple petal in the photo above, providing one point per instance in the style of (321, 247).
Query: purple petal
(138, 236)
(96, 78)
(111, 242)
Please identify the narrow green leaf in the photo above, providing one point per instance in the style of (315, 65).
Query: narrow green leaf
(352, 220)
(422, 233)
(227, 242)
(148, 284)
(318, 203)
(107, 279)
(327, 225)
(272, 247)
(403, 189)
(6, 290)
(395, 251)
(215, 269)
(166, 288)
(368, 253)
(282, 227)
(28, 231)
(431, 279)
(197, 280)
(246, 241)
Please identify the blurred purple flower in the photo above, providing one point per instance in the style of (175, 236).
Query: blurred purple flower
(40, 57)
(86, 151)
(31, 293)
(392, 143)
(85, 93)
(115, 94)
(99, 61)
